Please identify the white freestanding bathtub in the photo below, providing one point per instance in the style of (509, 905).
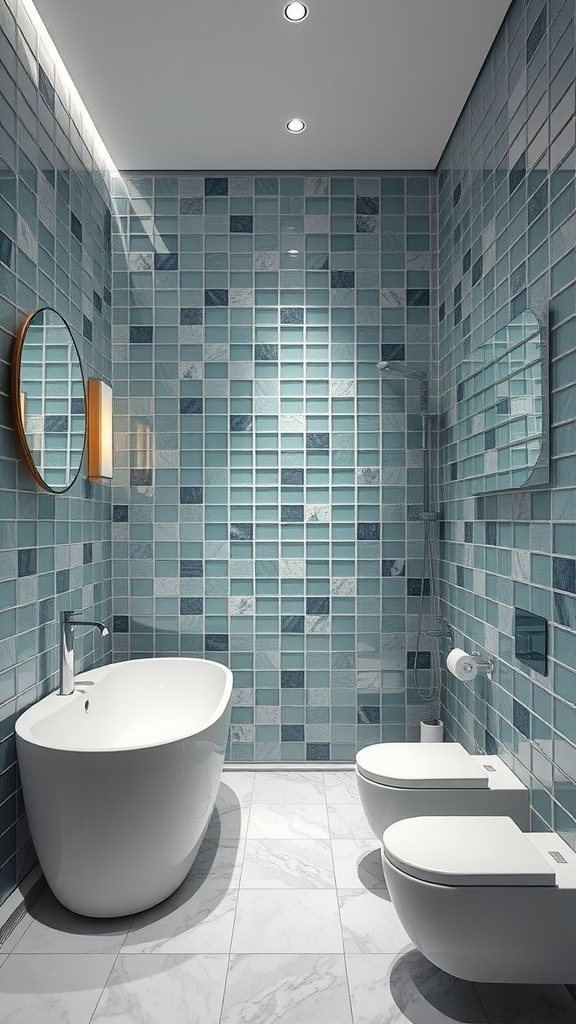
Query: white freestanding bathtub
(120, 779)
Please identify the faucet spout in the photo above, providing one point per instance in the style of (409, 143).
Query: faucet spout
(67, 623)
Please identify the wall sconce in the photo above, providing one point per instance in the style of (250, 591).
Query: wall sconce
(99, 430)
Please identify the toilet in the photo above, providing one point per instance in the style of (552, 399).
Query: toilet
(405, 780)
(483, 900)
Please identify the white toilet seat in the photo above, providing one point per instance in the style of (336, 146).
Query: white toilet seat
(485, 851)
(421, 766)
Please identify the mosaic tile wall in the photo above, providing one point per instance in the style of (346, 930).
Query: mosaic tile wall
(54, 250)
(507, 229)
(263, 472)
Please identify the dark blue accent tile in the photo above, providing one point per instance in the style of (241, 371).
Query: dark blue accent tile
(517, 174)
(368, 714)
(503, 407)
(368, 531)
(453, 470)
(442, 312)
(86, 328)
(107, 295)
(191, 406)
(165, 261)
(119, 513)
(489, 439)
(537, 203)
(241, 224)
(521, 718)
(26, 561)
(216, 642)
(97, 302)
(417, 296)
(292, 733)
(241, 531)
(317, 751)
(56, 424)
(266, 353)
(62, 581)
(192, 206)
(191, 316)
(456, 194)
(477, 270)
(5, 249)
(215, 186)
(120, 624)
(87, 552)
(190, 567)
(423, 659)
(292, 513)
(292, 623)
(292, 315)
(393, 353)
(468, 533)
(369, 205)
(292, 679)
(216, 297)
(140, 477)
(393, 567)
(75, 226)
(292, 476)
(46, 89)
(564, 574)
(77, 406)
(191, 495)
(490, 743)
(342, 278)
(537, 34)
(240, 424)
(491, 533)
(317, 606)
(457, 314)
(466, 261)
(459, 575)
(415, 586)
(518, 304)
(141, 335)
(458, 293)
(191, 605)
(317, 441)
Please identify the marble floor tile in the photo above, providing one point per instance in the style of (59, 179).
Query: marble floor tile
(54, 929)
(287, 864)
(388, 989)
(240, 783)
(52, 988)
(153, 988)
(229, 819)
(527, 1004)
(288, 821)
(287, 988)
(289, 787)
(341, 788)
(370, 923)
(202, 923)
(287, 921)
(218, 864)
(358, 864)
(348, 821)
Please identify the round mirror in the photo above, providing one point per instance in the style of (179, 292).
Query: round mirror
(48, 400)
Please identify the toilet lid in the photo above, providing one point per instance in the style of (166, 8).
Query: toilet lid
(421, 766)
(465, 851)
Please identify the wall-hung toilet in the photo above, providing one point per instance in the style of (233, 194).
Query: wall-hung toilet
(483, 900)
(406, 780)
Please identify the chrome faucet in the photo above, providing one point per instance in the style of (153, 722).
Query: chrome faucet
(67, 624)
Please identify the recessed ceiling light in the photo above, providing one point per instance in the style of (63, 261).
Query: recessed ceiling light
(295, 125)
(295, 11)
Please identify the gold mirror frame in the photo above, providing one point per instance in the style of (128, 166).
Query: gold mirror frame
(18, 398)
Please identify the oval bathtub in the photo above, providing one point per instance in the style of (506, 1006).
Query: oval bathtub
(120, 779)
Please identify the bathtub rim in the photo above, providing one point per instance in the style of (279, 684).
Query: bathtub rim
(48, 705)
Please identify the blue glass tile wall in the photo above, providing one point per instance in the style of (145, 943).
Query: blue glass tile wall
(263, 470)
(54, 250)
(507, 216)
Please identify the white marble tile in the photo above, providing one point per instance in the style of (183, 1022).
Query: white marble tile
(200, 924)
(348, 821)
(287, 864)
(54, 929)
(293, 989)
(52, 988)
(388, 989)
(152, 988)
(287, 921)
(289, 787)
(527, 1004)
(358, 864)
(232, 809)
(341, 788)
(370, 923)
(288, 821)
(218, 864)
(239, 783)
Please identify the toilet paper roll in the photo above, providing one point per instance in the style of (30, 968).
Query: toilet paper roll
(461, 664)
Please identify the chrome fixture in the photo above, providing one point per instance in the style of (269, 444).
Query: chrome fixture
(442, 630)
(67, 624)
(296, 125)
(295, 12)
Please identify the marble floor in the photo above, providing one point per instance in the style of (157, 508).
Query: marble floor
(283, 918)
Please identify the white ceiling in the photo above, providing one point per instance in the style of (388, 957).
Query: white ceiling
(180, 85)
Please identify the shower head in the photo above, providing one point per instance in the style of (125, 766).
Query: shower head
(396, 369)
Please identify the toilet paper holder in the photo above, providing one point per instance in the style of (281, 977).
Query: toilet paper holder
(484, 662)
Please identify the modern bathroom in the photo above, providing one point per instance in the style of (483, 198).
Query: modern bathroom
(288, 512)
